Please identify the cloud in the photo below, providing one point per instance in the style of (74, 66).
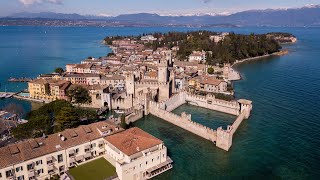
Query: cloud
(31, 2)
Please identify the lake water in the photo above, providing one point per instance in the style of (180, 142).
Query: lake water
(280, 140)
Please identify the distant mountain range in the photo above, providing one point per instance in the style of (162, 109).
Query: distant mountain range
(292, 17)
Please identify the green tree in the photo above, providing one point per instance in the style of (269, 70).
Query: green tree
(79, 95)
(110, 54)
(123, 122)
(67, 118)
(59, 70)
(210, 70)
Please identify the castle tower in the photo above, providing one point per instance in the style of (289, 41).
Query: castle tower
(245, 106)
(163, 71)
(130, 84)
(224, 138)
(172, 79)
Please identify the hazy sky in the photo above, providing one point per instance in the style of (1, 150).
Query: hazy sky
(115, 7)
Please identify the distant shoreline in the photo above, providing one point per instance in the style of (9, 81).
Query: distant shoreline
(280, 53)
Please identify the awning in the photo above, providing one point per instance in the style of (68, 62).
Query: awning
(71, 151)
(49, 158)
(79, 158)
(31, 174)
(168, 161)
(50, 168)
(87, 155)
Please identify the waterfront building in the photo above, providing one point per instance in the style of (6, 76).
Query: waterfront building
(207, 84)
(40, 158)
(138, 154)
(48, 89)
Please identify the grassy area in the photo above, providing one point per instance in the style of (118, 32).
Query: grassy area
(95, 170)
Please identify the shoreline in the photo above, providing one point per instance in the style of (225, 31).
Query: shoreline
(280, 53)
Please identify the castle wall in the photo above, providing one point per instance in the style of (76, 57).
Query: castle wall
(222, 138)
(134, 116)
(164, 92)
(125, 103)
(210, 102)
(237, 122)
(174, 102)
(184, 121)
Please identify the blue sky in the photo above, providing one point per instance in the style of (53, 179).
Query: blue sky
(115, 7)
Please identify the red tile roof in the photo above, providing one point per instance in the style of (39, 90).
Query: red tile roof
(132, 141)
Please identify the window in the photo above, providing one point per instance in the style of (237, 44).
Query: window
(0, 175)
(20, 178)
(93, 145)
(77, 150)
(38, 162)
(60, 158)
(19, 169)
(39, 171)
(152, 160)
(30, 166)
(9, 173)
(146, 162)
(61, 168)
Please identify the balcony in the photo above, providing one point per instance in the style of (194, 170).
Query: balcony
(51, 170)
(160, 168)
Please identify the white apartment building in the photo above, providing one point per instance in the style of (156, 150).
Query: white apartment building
(138, 154)
(148, 38)
(198, 56)
(43, 157)
(40, 158)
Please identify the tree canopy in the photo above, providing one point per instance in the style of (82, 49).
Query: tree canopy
(79, 95)
(210, 70)
(233, 47)
(59, 70)
(53, 117)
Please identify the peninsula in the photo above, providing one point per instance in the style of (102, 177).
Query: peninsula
(146, 74)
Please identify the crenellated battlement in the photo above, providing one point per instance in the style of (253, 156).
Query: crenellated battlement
(222, 138)
(184, 121)
(150, 83)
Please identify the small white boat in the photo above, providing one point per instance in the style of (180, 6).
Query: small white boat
(119, 111)
(3, 95)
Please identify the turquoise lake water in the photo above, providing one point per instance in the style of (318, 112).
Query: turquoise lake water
(280, 140)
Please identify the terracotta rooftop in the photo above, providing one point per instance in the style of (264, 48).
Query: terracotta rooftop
(33, 148)
(132, 141)
(210, 80)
